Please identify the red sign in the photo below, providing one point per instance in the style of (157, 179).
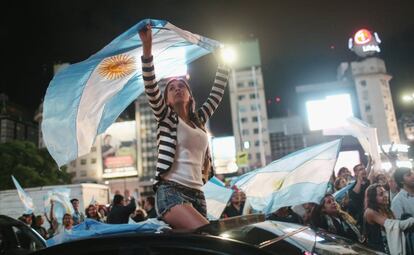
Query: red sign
(363, 36)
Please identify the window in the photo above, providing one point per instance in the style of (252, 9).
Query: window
(258, 156)
(255, 131)
(367, 107)
(241, 97)
(243, 120)
(251, 83)
(93, 161)
(83, 173)
(365, 94)
(240, 84)
(83, 162)
(93, 149)
(257, 143)
(363, 83)
(242, 108)
(255, 107)
(252, 96)
(245, 131)
(255, 119)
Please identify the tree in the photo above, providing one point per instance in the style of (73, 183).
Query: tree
(31, 166)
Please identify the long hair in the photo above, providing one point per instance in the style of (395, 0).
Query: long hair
(191, 106)
(371, 201)
(318, 215)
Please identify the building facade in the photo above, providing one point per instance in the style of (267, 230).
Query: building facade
(248, 105)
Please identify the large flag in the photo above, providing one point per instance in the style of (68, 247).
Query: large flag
(297, 178)
(62, 204)
(366, 135)
(84, 99)
(26, 200)
(217, 196)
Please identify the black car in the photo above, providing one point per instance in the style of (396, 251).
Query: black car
(237, 235)
(17, 238)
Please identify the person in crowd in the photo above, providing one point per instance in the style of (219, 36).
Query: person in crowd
(327, 215)
(345, 173)
(103, 212)
(340, 182)
(67, 224)
(394, 189)
(91, 212)
(139, 215)
(383, 232)
(184, 160)
(120, 210)
(38, 226)
(357, 192)
(149, 207)
(403, 202)
(234, 208)
(27, 219)
(78, 216)
(285, 214)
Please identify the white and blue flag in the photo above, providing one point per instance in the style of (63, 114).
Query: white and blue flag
(217, 197)
(84, 99)
(26, 200)
(297, 178)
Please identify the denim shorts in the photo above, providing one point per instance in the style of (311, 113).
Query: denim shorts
(170, 194)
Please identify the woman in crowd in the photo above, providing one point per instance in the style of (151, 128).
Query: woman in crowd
(184, 161)
(328, 215)
(92, 213)
(383, 232)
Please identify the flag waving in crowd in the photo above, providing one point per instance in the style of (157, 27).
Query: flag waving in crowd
(26, 200)
(298, 178)
(84, 99)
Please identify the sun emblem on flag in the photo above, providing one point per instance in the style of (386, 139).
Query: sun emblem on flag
(116, 67)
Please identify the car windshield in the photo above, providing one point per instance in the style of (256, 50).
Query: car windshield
(305, 239)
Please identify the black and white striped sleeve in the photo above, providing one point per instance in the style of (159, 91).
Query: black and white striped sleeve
(152, 90)
(216, 93)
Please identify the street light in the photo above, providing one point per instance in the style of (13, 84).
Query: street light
(408, 98)
(228, 54)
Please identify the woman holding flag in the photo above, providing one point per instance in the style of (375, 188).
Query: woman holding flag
(184, 161)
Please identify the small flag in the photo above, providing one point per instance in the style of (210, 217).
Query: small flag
(26, 200)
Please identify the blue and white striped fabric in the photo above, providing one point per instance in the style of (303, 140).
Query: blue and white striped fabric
(26, 200)
(84, 99)
(298, 178)
(217, 196)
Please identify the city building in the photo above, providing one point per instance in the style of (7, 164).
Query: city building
(248, 105)
(15, 122)
(362, 90)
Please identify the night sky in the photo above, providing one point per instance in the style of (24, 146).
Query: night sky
(301, 41)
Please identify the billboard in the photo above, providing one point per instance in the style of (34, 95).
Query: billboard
(119, 150)
(330, 112)
(364, 43)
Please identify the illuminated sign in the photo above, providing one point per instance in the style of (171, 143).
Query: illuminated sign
(364, 43)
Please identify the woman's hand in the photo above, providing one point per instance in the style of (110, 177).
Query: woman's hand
(146, 37)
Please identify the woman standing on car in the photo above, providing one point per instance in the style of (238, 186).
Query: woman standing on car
(328, 215)
(184, 161)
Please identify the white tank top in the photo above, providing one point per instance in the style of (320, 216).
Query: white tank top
(191, 147)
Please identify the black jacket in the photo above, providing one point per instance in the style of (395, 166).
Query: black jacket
(120, 214)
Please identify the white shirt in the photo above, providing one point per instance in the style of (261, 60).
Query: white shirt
(402, 203)
(192, 145)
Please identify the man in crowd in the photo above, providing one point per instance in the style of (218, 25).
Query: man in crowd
(403, 202)
(78, 216)
(120, 210)
(357, 193)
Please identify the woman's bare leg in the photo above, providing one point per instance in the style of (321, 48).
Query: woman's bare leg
(184, 216)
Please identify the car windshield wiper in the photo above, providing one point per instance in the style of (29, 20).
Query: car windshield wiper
(282, 237)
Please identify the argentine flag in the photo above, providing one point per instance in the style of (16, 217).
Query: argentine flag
(26, 200)
(217, 196)
(297, 178)
(84, 99)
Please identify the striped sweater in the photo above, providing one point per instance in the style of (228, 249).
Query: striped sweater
(168, 119)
